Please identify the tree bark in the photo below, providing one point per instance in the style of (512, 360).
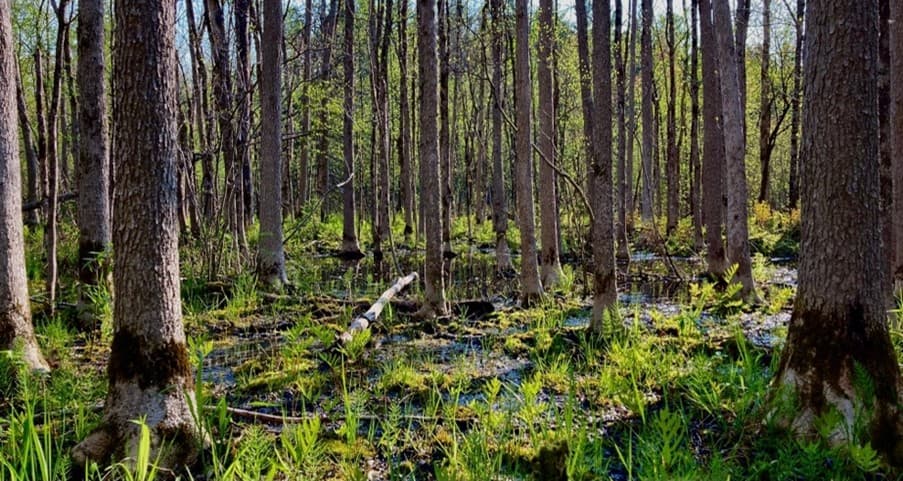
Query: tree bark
(839, 356)
(271, 257)
(350, 245)
(548, 197)
(765, 103)
(445, 151)
(630, 112)
(149, 369)
(735, 153)
(241, 11)
(405, 159)
(434, 303)
(93, 169)
(586, 98)
(32, 183)
(795, 104)
(499, 196)
(672, 166)
(885, 167)
(531, 284)
(713, 146)
(605, 296)
(15, 311)
(328, 26)
(623, 178)
(695, 165)
(647, 113)
(895, 43)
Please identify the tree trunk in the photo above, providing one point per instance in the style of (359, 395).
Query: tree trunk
(271, 257)
(695, 166)
(795, 104)
(304, 167)
(735, 153)
(445, 152)
(523, 98)
(741, 28)
(405, 159)
(32, 184)
(605, 297)
(350, 246)
(623, 178)
(434, 303)
(838, 356)
(241, 11)
(885, 167)
(765, 104)
(713, 146)
(630, 111)
(93, 169)
(328, 26)
(548, 202)
(15, 311)
(648, 128)
(498, 194)
(149, 369)
(586, 99)
(895, 44)
(672, 166)
(200, 107)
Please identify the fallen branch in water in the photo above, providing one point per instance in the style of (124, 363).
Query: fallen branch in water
(363, 321)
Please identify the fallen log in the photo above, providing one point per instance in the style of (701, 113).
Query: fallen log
(363, 321)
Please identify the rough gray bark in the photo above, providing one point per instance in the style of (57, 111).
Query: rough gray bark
(499, 196)
(586, 97)
(271, 257)
(630, 113)
(713, 146)
(149, 369)
(885, 163)
(434, 303)
(735, 153)
(605, 293)
(548, 197)
(15, 310)
(531, 285)
(446, 159)
(92, 167)
(741, 27)
(646, 200)
(350, 245)
(838, 332)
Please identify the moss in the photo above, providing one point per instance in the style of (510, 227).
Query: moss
(131, 359)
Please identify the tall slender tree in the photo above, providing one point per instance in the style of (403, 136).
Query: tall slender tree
(434, 303)
(765, 104)
(695, 165)
(350, 247)
(405, 158)
(92, 165)
(605, 295)
(796, 93)
(499, 196)
(713, 146)
(648, 152)
(839, 357)
(735, 152)
(531, 284)
(672, 162)
(15, 311)
(271, 256)
(548, 197)
(150, 375)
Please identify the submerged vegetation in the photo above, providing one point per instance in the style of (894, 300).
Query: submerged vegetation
(675, 389)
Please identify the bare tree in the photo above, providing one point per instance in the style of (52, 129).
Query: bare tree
(605, 295)
(672, 163)
(647, 113)
(271, 257)
(499, 196)
(695, 165)
(523, 98)
(434, 303)
(350, 247)
(15, 311)
(735, 152)
(795, 104)
(713, 146)
(765, 104)
(405, 159)
(838, 340)
(548, 197)
(149, 371)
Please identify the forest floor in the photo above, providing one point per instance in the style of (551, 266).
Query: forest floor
(676, 388)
